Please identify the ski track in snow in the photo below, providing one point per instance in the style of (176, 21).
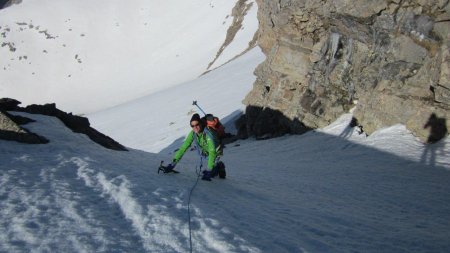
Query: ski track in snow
(42, 205)
(151, 221)
(71, 197)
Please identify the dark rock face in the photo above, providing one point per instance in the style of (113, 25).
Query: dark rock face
(390, 59)
(75, 123)
(6, 3)
(11, 131)
(3, 3)
(268, 124)
(8, 104)
(10, 125)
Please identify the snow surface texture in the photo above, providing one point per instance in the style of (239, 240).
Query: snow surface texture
(111, 51)
(318, 192)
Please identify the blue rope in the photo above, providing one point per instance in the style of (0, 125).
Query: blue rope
(198, 171)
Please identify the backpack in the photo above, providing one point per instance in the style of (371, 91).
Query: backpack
(213, 123)
(215, 130)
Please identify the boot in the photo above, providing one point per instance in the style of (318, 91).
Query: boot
(221, 170)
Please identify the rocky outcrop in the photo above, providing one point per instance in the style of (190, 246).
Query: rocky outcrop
(238, 13)
(10, 130)
(389, 58)
(268, 124)
(77, 124)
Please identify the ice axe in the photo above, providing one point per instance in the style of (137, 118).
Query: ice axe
(164, 169)
(195, 103)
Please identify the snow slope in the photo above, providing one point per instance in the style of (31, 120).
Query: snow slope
(318, 192)
(330, 190)
(115, 51)
(154, 122)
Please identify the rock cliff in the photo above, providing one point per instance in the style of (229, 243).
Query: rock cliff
(10, 130)
(389, 58)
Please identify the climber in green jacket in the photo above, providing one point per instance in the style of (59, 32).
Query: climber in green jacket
(208, 144)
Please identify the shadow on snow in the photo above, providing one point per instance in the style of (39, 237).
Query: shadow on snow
(300, 193)
(322, 193)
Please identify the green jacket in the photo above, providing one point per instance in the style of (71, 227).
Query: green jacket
(206, 142)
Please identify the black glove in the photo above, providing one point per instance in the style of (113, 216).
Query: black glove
(207, 175)
(169, 167)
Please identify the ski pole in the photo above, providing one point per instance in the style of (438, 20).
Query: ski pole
(195, 103)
